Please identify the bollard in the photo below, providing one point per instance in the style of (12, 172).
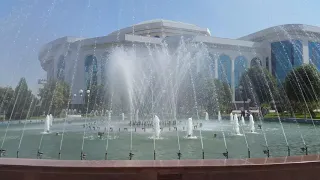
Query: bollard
(39, 154)
(2, 152)
(267, 152)
(226, 154)
(179, 155)
(202, 154)
(106, 156)
(17, 153)
(83, 156)
(248, 153)
(154, 154)
(130, 155)
(288, 151)
(59, 155)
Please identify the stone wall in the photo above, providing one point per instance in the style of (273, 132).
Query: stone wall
(298, 167)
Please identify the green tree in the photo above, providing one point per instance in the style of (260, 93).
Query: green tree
(6, 97)
(302, 86)
(98, 98)
(21, 101)
(214, 95)
(259, 85)
(54, 97)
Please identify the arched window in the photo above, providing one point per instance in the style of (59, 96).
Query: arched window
(104, 64)
(224, 69)
(255, 62)
(91, 71)
(314, 54)
(240, 66)
(61, 68)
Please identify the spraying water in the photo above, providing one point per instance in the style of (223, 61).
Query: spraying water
(122, 115)
(242, 121)
(137, 115)
(251, 123)
(109, 116)
(51, 119)
(47, 124)
(207, 116)
(231, 118)
(236, 124)
(189, 128)
(156, 125)
(219, 116)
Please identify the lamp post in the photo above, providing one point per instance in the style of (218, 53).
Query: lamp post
(74, 98)
(81, 95)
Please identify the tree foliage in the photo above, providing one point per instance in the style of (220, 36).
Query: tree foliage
(259, 85)
(98, 99)
(18, 102)
(302, 86)
(54, 97)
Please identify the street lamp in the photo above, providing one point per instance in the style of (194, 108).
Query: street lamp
(73, 104)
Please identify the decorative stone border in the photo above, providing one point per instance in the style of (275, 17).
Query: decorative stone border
(284, 168)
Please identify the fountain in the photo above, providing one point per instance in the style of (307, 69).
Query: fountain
(156, 127)
(251, 123)
(236, 124)
(137, 115)
(219, 116)
(122, 116)
(51, 119)
(47, 125)
(231, 118)
(109, 115)
(242, 120)
(207, 116)
(189, 127)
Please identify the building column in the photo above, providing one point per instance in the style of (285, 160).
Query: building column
(305, 51)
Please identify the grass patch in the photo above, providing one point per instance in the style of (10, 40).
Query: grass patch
(287, 115)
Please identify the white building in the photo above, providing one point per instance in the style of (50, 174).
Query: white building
(277, 48)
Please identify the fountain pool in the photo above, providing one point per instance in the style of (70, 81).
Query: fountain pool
(142, 146)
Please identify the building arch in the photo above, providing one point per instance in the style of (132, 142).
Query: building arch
(104, 66)
(91, 71)
(224, 68)
(61, 68)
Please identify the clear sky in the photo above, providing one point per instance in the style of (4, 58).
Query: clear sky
(25, 25)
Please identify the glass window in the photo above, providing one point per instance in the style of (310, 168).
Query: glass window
(61, 68)
(240, 66)
(314, 53)
(224, 69)
(285, 55)
(91, 71)
(104, 64)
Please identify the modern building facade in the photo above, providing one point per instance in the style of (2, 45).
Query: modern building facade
(278, 49)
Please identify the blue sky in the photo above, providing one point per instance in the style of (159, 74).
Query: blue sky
(25, 25)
